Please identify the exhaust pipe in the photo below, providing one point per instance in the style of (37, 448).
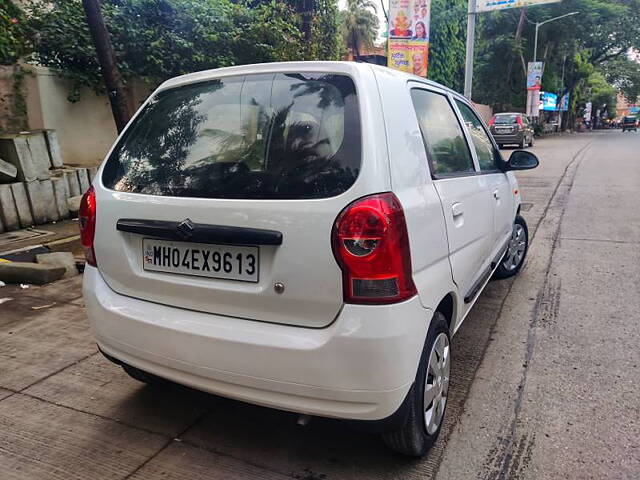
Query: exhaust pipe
(303, 420)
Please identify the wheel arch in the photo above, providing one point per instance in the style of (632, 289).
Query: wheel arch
(447, 307)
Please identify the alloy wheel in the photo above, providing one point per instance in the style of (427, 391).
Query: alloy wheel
(436, 385)
(516, 249)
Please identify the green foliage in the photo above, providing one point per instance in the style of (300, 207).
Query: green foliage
(624, 73)
(158, 39)
(576, 51)
(326, 39)
(13, 33)
(447, 42)
(359, 25)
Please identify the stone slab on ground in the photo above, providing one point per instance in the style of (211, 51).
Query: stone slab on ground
(72, 182)
(30, 273)
(54, 148)
(8, 212)
(39, 154)
(41, 440)
(59, 259)
(41, 200)
(184, 462)
(74, 205)
(83, 179)
(8, 171)
(5, 393)
(42, 235)
(51, 210)
(15, 150)
(61, 194)
(97, 386)
(22, 204)
(36, 343)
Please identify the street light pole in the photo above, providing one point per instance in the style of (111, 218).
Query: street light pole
(471, 38)
(533, 98)
(539, 24)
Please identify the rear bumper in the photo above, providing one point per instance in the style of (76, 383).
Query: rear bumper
(360, 367)
(507, 139)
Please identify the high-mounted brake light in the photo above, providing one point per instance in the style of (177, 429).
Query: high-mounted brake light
(87, 220)
(371, 244)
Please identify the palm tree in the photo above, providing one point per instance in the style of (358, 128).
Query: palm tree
(359, 26)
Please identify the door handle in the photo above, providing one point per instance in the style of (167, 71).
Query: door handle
(456, 209)
(496, 194)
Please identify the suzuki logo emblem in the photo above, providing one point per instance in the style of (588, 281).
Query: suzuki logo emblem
(185, 229)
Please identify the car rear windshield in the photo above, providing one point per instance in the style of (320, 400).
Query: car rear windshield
(264, 136)
(506, 119)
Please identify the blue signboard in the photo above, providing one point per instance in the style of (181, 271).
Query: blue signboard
(634, 110)
(564, 103)
(548, 101)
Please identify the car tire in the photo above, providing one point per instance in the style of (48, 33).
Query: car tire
(523, 143)
(514, 257)
(423, 424)
(143, 376)
(531, 141)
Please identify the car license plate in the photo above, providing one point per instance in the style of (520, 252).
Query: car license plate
(503, 130)
(200, 259)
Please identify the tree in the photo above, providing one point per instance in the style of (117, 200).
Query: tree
(447, 42)
(624, 73)
(108, 64)
(359, 26)
(158, 39)
(572, 48)
(13, 33)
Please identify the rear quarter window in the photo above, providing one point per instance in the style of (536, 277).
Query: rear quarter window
(265, 136)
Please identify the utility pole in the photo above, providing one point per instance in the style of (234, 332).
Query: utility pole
(108, 66)
(533, 98)
(471, 39)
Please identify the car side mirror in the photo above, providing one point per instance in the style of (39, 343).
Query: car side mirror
(522, 160)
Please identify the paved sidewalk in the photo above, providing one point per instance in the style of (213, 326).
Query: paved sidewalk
(67, 413)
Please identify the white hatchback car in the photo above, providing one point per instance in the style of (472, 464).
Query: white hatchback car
(304, 236)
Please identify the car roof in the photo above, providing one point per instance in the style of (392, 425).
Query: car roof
(510, 113)
(281, 67)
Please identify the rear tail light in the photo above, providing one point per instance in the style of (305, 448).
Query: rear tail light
(371, 244)
(492, 122)
(520, 123)
(87, 218)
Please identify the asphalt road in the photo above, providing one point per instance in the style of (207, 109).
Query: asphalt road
(546, 373)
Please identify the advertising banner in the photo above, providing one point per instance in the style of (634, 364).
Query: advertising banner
(548, 101)
(634, 110)
(408, 44)
(564, 103)
(489, 5)
(588, 111)
(409, 56)
(534, 75)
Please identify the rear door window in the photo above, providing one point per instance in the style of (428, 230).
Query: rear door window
(266, 136)
(446, 146)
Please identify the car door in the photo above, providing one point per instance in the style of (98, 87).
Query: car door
(492, 178)
(466, 202)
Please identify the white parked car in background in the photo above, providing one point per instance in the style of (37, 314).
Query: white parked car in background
(304, 236)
